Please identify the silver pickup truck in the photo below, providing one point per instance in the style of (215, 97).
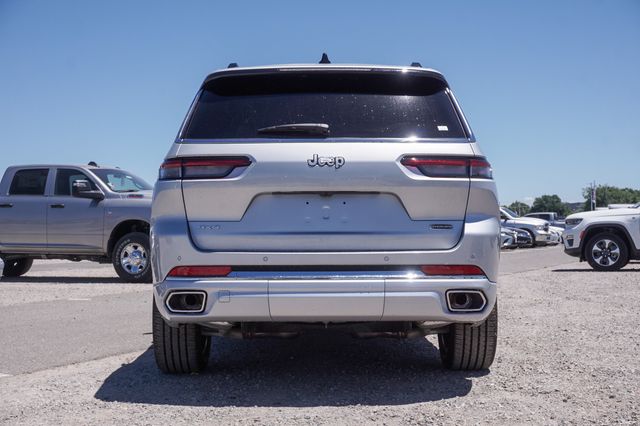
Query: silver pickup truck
(76, 213)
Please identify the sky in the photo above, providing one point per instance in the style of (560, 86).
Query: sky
(550, 88)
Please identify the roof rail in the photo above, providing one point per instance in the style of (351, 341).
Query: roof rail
(324, 59)
(233, 65)
(416, 64)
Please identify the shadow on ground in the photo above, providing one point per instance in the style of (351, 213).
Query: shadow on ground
(62, 280)
(317, 369)
(625, 269)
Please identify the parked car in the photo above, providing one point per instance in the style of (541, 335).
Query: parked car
(557, 234)
(553, 218)
(267, 214)
(523, 238)
(538, 229)
(76, 213)
(508, 238)
(556, 237)
(607, 239)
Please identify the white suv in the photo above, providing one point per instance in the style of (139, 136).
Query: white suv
(607, 239)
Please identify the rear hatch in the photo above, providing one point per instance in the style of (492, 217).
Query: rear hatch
(324, 160)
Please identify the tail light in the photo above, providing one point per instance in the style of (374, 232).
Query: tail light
(452, 270)
(453, 167)
(201, 168)
(480, 168)
(200, 271)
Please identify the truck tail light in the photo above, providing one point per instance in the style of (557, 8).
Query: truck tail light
(452, 270)
(452, 167)
(200, 271)
(201, 167)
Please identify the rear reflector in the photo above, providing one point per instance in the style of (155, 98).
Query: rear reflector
(451, 270)
(200, 271)
(461, 167)
(201, 168)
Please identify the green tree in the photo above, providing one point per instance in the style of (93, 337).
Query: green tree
(519, 207)
(549, 203)
(607, 194)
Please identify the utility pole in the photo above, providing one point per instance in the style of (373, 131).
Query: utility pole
(593, 195)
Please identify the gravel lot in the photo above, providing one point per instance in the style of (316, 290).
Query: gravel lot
(569, 352)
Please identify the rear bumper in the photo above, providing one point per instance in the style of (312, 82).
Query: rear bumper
(171, 247)
(171, 244)
(325, 300)
(575, 252)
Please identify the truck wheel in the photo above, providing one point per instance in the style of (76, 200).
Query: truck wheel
(131, 258)
(606, 252)
(468, 346)
(179, 350)
(16, 267)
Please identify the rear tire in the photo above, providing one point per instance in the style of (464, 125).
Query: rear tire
(17, 267)
(179, 350)
(615, 257)
(131, 258)
(469, 347)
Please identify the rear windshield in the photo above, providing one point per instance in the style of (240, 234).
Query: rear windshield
(374, 105)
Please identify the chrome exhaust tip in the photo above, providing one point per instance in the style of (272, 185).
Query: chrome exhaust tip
(466, 300)
(186, 302)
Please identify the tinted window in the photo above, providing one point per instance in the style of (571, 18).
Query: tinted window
(376, 105)
(121, 181)
(65, 178)
(29, 182)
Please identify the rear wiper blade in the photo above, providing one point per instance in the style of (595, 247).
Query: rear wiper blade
(299, 128)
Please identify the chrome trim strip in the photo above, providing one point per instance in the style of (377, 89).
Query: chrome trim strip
(328, 275)
(325, 275)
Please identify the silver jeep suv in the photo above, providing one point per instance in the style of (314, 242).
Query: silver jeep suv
(346, 196)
